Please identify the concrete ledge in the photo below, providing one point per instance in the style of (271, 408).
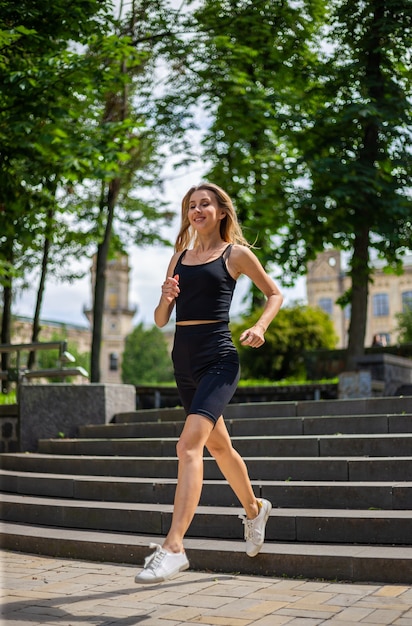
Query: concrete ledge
(58, 409)
(394, 371)
(349, 563)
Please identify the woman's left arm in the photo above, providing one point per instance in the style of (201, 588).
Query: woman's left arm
(243, 261)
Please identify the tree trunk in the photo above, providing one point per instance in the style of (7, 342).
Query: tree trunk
(360, 286)
(6, 331)
(40, 291)
(368, 204)
(100, 282)
(6, 317)
(116, 109)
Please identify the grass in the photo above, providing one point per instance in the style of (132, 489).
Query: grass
(258, 382)
(284, 382)
(8, 398)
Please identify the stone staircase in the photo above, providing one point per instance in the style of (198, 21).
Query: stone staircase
(339, 474)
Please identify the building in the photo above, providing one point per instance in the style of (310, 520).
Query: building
(117, 317)
(389, 294)
(72, 333)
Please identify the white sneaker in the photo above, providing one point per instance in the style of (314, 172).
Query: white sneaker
(161, 565)
(255, 528)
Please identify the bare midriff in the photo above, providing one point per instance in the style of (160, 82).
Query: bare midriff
(194, 322)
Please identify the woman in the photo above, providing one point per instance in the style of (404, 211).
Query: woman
(210, 255)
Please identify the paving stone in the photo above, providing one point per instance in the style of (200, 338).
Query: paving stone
(306, 621)
(353, 614)
(107, 596)
(382, 616)
(222, 621)
(272, 620)
(391, 591)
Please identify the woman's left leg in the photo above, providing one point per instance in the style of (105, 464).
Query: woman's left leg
(234, 470)
(232, 467)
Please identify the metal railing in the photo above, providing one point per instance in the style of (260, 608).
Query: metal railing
(18, 373)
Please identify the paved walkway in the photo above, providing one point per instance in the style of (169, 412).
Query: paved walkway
(61, 592)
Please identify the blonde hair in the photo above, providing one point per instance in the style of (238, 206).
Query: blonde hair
(230, 229)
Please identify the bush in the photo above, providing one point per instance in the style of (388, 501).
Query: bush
(146, 358)
(295, 330)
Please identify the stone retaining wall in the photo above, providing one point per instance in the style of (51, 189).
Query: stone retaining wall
(9, 428)
(58, 409)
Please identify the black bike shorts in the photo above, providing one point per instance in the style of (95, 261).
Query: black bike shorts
(206, 368)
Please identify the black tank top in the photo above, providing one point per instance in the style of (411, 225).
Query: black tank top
(206, 290)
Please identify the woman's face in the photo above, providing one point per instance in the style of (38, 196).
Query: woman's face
(204, 212)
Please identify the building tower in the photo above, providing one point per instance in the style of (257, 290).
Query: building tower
(117, 317)
(325, 283)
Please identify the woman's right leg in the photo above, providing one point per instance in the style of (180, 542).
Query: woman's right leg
(190, 449)
(170, 559)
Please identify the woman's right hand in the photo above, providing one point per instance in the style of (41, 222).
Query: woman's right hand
(170, 288)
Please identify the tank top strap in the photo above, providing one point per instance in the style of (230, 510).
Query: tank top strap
(179, 260)
(226, 252)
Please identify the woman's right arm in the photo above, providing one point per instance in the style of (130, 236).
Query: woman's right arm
(170, 291)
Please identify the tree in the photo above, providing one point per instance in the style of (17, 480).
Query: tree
(125, 109)
(356, 151)
(296, 329)
(253, 63)
(70, 122)
(43, 80)
(405, 326)
(310, 130)
(146, 357)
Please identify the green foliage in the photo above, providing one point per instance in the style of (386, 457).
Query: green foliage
(405, 326)
(295, 329)
(78, 143)
(254, 63)
(146, 358)
(8, 398)
(310, 129)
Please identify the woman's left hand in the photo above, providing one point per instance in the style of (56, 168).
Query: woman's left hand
(253, 337)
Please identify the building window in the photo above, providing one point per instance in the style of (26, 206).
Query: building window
(113, 361)
(380, 305)
(406, 301)
(326, 305)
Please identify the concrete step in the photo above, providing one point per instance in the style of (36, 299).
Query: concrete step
(380, 564)
(297, 525)
(264, 446)
(360, 406)
(354, 469)
(290, 494)
(256, 426)
(338, 472)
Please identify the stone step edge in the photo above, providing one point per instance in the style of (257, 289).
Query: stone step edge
(109, 457)
(254, 414)
(223, 511)
(261, 418)
(234, 438)
(294, 408)
(222, 482)
(354, 563)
